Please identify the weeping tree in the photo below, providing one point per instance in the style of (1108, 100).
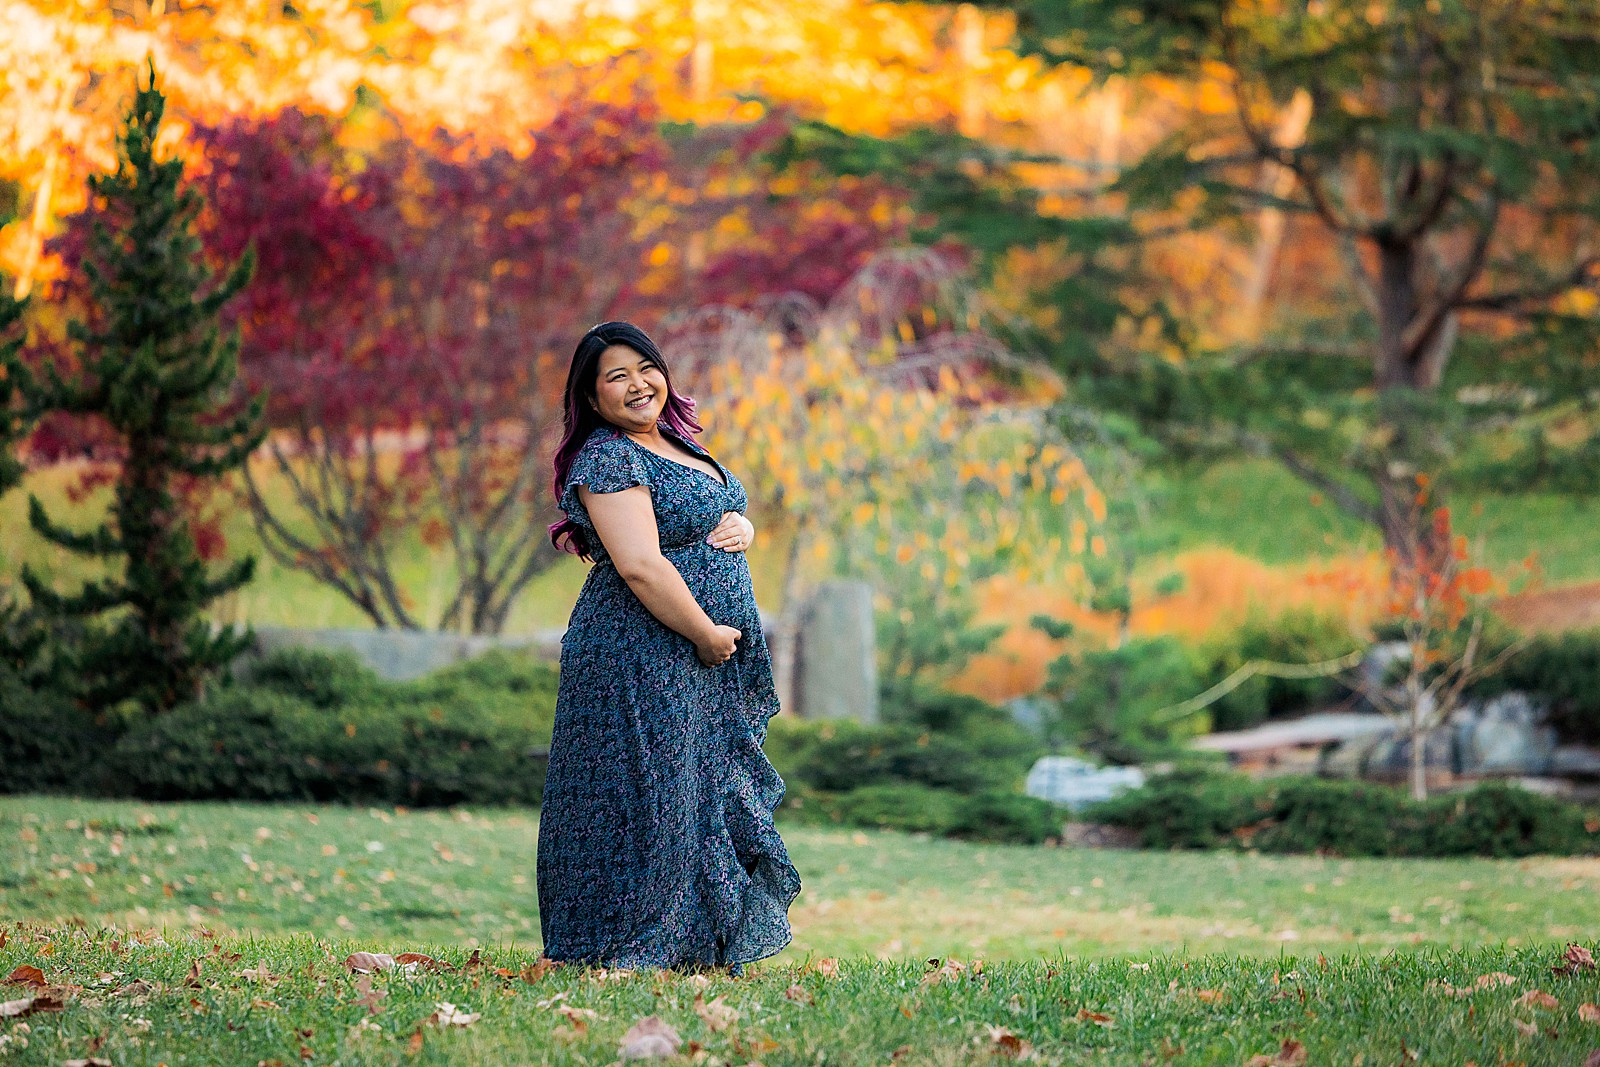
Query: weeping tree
(151, 374)
(1441, 156)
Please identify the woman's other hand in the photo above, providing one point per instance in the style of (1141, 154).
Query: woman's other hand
(733, 534)
(718, 646)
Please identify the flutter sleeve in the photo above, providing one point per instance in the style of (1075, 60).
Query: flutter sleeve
(605, 466)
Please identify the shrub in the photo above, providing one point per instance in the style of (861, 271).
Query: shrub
(1297, 636)
(898, 807)
(1347, 818)
(47, 743)
(322, 728)
(318, 677)
(1012, 818)
(1113, 701)
(990, 815)
(841, 755)
(239, 745)
(1564, 668)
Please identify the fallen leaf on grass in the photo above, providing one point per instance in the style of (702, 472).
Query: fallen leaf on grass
(1527, 1028)
(718, 1014)
(367, 962)
(1589, 1013)
(828, 967)
(1290, 1054)
(446, 1014)
(1492, 979)
(1099, 1018)
(1576, 958)
(578, 1017)
(369, 997)
(648, 1038)
(26, 974)
(1003, 1042)
(941, 971)
(415, 960)
(1209, 996)
(1538, 999)
(414, 1045)
(258, 973)
(799, 993)
(16, 1009)
(614, 974)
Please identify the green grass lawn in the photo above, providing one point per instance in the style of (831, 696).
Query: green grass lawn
(1118, 957)
(467, 877)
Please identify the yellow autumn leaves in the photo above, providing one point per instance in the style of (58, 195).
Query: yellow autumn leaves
(868, 465)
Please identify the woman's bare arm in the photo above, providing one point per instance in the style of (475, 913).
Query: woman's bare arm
(626, 523)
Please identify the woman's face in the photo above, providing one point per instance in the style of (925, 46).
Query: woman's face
(625, 376)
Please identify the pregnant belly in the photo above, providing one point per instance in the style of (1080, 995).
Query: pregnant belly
(718, 580)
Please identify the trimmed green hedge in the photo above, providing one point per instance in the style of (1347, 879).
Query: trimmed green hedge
(1314, 815)
(989, 815)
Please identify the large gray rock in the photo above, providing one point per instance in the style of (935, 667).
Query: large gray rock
(399, 655)
(1505, 735)
(1575, 761)
(1076, 783)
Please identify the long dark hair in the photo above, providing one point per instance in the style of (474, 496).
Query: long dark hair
(581, 417)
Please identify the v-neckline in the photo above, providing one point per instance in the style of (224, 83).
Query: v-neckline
(723, 481)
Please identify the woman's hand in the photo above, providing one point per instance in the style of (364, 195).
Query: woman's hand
(718, 646)
(733, 534)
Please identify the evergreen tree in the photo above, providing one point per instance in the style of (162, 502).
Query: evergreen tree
(16, 418)
(1447, 152)
(152, 368)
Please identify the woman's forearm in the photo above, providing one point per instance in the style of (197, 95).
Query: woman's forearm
(662, 590)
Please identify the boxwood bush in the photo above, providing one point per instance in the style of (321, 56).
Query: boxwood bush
(310, 725)
(1314, 815)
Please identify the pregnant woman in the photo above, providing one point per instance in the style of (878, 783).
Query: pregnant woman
(656, 842)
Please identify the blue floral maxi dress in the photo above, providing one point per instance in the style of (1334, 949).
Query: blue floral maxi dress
(656, 842)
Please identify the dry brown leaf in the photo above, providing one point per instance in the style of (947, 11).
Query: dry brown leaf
(1210, 996)
(26, 974)
(648, 1038)
(942, 971)
(414, 1046)
(1099, 1018)
(1527, 1028)
(414, 960)
(367, 962)
(799, 993)
(1003, 1042)
(535, 971)
(15, 1009)
(258, 973)
(1290, 1054)
(1576, 958)
(568, 1033)
(369, 997)
(718, 1014)
(578, 1017)
(447, 1014)
(1492, 979)
(1589, 1013)
(474, 961)
(1538, 999)
(613, 974)
(828, 967)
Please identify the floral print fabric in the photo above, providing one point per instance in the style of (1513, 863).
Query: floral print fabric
(656, 842)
